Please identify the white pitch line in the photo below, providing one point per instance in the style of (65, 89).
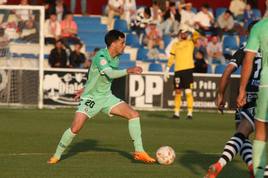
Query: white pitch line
(94, 152)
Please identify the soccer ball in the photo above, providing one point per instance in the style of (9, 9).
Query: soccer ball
(165, 155)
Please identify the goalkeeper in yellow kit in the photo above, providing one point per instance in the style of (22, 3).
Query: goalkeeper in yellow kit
(181, 54)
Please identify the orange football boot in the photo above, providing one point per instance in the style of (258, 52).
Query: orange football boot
(53, 160)
(143, 156)
(213, 170)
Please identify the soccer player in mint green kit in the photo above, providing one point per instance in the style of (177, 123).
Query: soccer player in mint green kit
(258, 39)
(97, 97)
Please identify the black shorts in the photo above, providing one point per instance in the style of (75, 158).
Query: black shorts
(247, 113)
(183, 79)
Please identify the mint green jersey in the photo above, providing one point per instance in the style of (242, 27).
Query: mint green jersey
(98, 84)
(258, 39)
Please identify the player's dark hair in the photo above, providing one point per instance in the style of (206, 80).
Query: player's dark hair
(229, 12)
(147, 10)
(252, 24)
(206, 5)
(155, 2)
(96, 49)
(2, 31)
(112, 36)
(58, 41)
(201, 52)
(52, 13)
(172, 4)
(80, 44)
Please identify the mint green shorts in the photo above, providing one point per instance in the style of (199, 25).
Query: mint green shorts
(262, 105)
(92, 106)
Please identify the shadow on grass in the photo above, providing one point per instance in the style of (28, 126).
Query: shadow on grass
(194, 161)
(92, 145)
(160, 115)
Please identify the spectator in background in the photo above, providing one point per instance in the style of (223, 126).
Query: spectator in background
(225, 23)
(167, 4)
(52, 29)
(130, 10)
(25, 17)
(201, 45)
(3, 2)
(153, 36)
(58, 56)
(171, 20)
(237, 7)
(187, 15)
(83, 6)
(249, 16)
(178, 2)
(156, 12)
(77, 58)
(141, 21)
(47, 9)
(200, 65)
(204, 20)
(4, 43)
(48, 4)
(88, 62)
(60, 9)
(253, 3)
(115, 8)
(68, 31)
(3, 11)
(51, 2)
(214, 51)
(34, 2)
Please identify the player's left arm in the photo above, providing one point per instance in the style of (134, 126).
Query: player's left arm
(113, 74)
(105, 69)
(78, 93)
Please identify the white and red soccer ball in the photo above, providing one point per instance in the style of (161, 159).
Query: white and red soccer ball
(165, 155)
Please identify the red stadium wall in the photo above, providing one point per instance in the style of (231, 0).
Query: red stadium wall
(95, 7)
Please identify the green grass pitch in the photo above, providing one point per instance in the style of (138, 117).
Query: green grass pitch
(28, 137)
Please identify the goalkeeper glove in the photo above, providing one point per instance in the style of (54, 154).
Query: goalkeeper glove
(166, 74)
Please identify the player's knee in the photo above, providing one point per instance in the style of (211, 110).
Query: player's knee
(133, 114)
(240, 135)
(188, 91)
(75, 130)
(178, 92)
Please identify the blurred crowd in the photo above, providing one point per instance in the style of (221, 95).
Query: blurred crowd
(206, 26)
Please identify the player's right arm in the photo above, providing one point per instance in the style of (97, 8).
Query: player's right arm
(234, 64)
(171, 61)
(224, 81)
(172, 56)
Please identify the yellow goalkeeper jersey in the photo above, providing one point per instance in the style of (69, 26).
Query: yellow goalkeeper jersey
(181, 54)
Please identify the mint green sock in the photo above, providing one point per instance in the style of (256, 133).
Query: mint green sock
(259, 158)
(134, 128)
(65, 141)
